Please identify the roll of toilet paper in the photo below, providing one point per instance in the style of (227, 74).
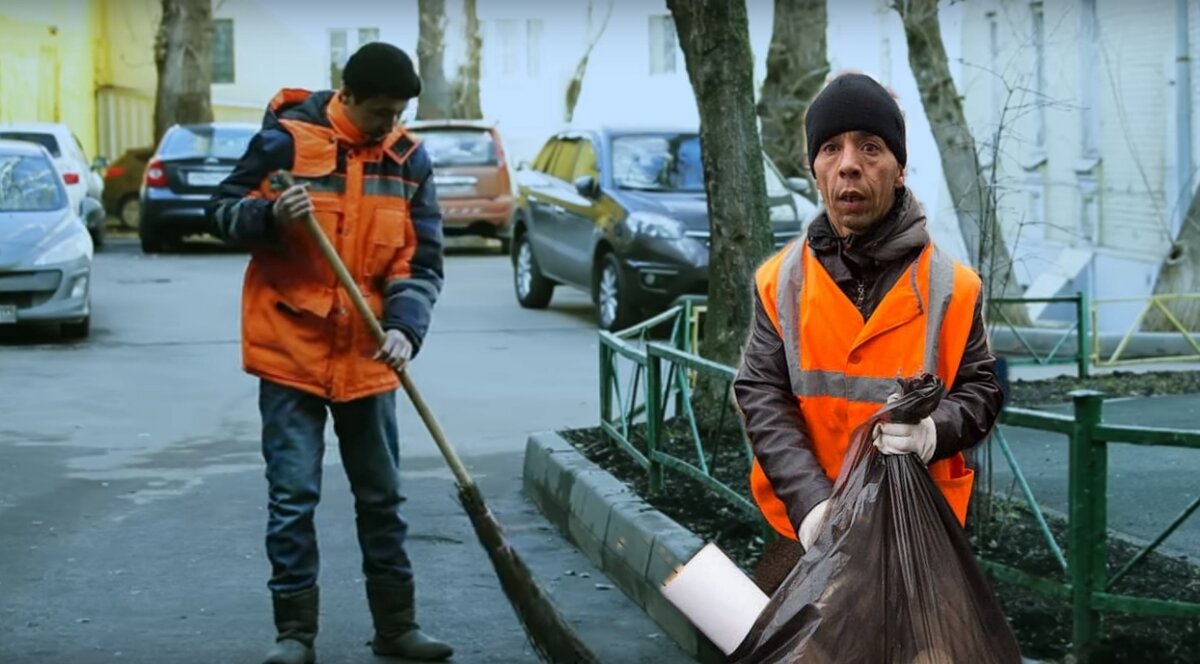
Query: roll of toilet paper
(716, 596)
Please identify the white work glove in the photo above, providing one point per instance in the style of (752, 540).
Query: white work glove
(919, 439)
(395, 351)
(810, 527)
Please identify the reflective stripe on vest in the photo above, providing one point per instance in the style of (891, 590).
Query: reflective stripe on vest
(388, 186)
(874, 389)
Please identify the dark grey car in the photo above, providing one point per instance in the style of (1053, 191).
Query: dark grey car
(182, 176)
(623, 215)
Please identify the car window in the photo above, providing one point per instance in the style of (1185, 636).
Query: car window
(586, 163)
(79, 146)
(47, 141)
(542, 162)
(563, 164)
(658, 162)
(206, 141)
(29, 184)
(459, 147)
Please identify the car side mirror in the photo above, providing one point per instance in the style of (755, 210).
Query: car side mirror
(798, 185)
(587, 186)
(523, 165)
(99, 163)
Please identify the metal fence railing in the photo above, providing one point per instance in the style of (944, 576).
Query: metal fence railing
(647, 385)
(1086, 562)
(1079, 329)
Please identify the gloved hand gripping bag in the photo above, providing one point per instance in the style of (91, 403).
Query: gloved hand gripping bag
(891, 579)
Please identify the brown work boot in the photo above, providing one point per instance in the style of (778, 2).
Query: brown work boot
(295, 626)
(397, 634)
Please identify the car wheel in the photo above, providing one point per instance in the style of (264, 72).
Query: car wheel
(533, 290)
(153, 241)
(77, 330)
(98, 235)
(129, 211)
(614, 310)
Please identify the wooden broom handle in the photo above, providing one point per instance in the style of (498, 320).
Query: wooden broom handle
(461, 475)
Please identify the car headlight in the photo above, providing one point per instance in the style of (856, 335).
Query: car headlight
(76, 245)
(648, 224)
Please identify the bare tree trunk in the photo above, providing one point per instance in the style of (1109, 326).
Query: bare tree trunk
(576, 84)
(715, 38)
(973, 199)
(431, 48)
(183, 55)
(466, 104)
(796, 69)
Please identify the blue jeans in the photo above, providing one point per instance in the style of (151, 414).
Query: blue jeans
(293, 446)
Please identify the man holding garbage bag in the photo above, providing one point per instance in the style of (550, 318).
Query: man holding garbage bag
(865, 299)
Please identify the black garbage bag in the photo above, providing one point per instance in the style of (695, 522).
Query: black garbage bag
(891, 579)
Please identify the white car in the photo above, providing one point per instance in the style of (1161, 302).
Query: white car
(45, 250)
(79, 175)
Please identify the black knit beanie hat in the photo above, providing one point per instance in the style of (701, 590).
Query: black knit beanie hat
(855, 102)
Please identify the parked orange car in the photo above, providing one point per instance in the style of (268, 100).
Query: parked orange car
(472, 175)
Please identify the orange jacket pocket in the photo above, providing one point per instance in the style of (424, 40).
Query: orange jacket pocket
(389, 235)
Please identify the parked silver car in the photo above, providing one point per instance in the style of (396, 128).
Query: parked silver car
(45, 249)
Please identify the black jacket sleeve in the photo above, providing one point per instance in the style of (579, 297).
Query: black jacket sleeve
(412, 292)
(969, 411)
(774, 424)
(237, 212)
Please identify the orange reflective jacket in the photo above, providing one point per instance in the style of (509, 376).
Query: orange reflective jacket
(843, 369)
(298, 327)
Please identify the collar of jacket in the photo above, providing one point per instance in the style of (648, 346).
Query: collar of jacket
(323, 108)
(901, 231)
(344, 129)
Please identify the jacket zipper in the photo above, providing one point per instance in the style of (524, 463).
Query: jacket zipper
(862, 294)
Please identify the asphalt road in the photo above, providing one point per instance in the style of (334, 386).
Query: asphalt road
(132, 503)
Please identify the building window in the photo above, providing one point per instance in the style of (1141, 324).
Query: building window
(343, 43)
(533, 47)
(517, 49)
(1089, 81)
(1039, 49)
(222, 51)
(1089, 209)
(1035, 202)
(663, 45)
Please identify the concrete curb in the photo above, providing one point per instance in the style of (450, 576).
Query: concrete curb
(637, 546)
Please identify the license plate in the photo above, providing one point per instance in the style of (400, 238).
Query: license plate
(8, 314)
(206, 178)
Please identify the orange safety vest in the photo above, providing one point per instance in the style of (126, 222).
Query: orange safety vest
(298, 328)
(843, 369)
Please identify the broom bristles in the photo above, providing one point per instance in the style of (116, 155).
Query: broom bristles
(549, 634)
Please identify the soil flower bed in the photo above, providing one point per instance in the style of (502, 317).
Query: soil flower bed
(1010, 535)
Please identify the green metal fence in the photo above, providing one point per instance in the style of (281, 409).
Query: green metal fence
(658, 376)
(1085, 565)
(644, 384)
(1080, 358)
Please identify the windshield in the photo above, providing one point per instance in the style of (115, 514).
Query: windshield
(45, 140)
(459, 147)
(671, 162)
(206, 141)
(658, 162)
(29, 184)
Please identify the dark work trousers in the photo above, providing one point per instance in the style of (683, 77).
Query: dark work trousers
(293, 446)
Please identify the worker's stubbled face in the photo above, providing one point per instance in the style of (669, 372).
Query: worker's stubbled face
(376, 117)
(858, 177)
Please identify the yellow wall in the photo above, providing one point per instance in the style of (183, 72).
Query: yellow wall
(127, 53)
(49, 69)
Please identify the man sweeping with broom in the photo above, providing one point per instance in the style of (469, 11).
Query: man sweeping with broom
(370, 187)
